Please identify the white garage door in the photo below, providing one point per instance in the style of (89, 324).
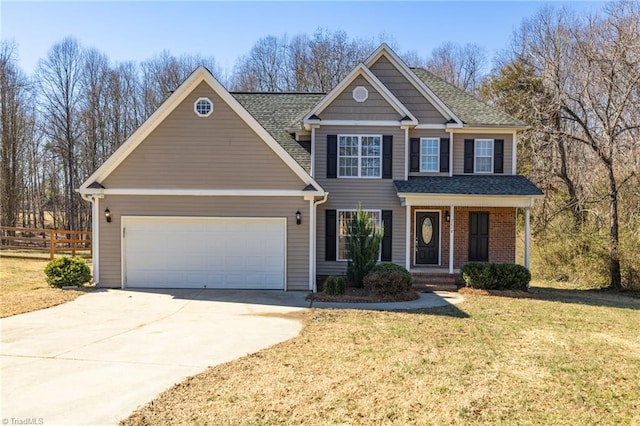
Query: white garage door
(240, 253)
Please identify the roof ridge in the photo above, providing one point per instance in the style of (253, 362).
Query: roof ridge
(275, 93)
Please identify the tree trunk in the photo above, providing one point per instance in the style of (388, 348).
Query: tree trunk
(614, 241)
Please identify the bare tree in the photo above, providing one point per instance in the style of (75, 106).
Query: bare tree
(459, 65)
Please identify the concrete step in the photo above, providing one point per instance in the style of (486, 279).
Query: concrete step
(434, 282)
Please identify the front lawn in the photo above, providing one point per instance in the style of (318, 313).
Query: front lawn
(23, 287)
(564, 357)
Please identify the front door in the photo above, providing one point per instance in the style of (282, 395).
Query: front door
(427, 240)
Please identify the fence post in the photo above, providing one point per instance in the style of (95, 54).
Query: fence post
(52, 248)
(73, 243)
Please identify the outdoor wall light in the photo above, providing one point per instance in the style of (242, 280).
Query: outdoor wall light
(107, 215)
(298, 217)
(447, 216)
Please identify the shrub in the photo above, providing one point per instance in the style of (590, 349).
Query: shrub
(364, 246)
(333, 285)
(387, 279)
(67, 271)
(492, 276)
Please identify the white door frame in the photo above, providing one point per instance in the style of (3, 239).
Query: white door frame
(415, 236)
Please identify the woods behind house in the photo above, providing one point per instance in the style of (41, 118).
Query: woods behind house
(574, 79)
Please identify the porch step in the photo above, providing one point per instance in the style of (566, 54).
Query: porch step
(434, 282)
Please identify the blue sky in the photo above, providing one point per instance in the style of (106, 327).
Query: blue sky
(137, 30)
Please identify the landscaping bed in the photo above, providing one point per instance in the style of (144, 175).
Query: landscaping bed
(360, 295)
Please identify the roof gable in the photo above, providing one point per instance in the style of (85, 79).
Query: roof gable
(360, 71)
(199, 76)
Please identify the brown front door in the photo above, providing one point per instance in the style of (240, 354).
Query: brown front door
(427, 240)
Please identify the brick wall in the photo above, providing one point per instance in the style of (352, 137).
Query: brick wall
(502, 234)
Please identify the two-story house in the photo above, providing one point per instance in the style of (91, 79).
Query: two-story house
(256, 190)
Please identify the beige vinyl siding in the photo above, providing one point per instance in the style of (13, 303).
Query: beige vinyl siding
(122, 205)
(344, 107)
(425, 133)
(458, 150)
(346, 193)
(406, 92)
(219, 151)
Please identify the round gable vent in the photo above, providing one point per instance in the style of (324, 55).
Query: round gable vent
(203, 107)
(360, 94)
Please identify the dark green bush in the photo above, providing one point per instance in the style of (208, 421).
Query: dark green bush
(387, 279)
(333, 285)
(496, 276)
(67, 271)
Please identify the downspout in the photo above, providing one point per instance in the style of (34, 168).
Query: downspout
(95, 241)
(312, 243)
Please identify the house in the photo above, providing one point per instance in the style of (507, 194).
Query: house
(255, 190)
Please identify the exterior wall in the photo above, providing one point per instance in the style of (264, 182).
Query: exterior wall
(297, 235)
(346, 193)
(344, 107)
(423, 133)
(219, 151)
(502, 235)
(458, 150)
(406, 92)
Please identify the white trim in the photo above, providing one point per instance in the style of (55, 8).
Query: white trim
(490, 130)
(407, 226)
(206, 192)
(360, 70)
(514, 153)
(428, 138)
(426, 92)
(431, 127)
(452, 227)
(459, 200)
(360, 94)
(406, 153)
(195, 106)
(123, 222)
(313, 152)
(95, 238)
(312, 243)
(450, 153)
(385, 123)
(415, 239)
(338, 211)
(527, 237)
(201, 74)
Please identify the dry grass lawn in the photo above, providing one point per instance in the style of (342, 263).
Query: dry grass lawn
(23, 287)
(563, 357)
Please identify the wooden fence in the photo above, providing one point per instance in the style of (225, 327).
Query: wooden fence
(49, 241)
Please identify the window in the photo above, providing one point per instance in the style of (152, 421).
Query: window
(484, 156)
(429, 155)
(344, 224)
(203, 107)
(359, 156)
(360, 94)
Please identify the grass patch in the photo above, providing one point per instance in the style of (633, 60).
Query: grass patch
(557, 358)
(23, 287)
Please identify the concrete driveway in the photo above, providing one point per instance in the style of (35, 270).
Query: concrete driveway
(96, 359)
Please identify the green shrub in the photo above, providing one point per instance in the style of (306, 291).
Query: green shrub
(387, 279)
(496, 276)
(333, 285)
(364, 246)
(67, 271)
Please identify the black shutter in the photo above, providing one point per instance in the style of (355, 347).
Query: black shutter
(387, 220)
(444, 155)
(414, 155)
(330, 242)
(332, 156)
(479, 236)
(498, 156)
(468, 155)
(387, 157)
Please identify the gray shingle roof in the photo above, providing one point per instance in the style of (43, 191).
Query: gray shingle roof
(279, 112)
(468, 185)
(467, 108)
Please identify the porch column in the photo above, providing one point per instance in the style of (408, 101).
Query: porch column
(407, 261)
(527, 232)
(452, 225)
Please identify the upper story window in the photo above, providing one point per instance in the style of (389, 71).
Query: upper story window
(429, 155)
(203, 107)
(345, 218)
(483, 156)
(360, 156)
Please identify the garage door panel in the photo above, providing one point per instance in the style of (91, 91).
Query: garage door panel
(204, 252)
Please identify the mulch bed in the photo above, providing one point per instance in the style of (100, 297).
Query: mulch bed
(360, 295)
(518, 294)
